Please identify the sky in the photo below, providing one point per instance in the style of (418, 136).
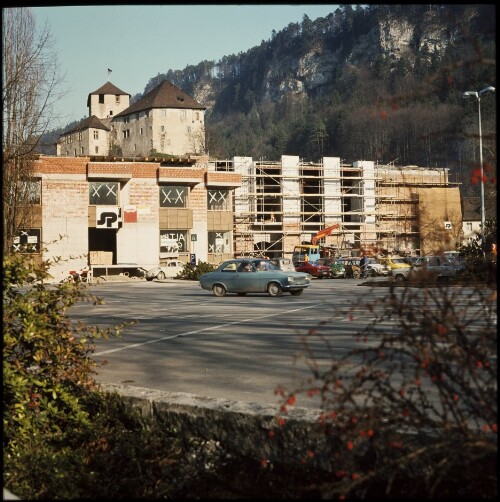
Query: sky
(138, 42)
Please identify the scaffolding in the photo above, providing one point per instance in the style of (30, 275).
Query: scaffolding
(278, 206)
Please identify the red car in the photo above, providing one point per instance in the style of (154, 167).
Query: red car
(313, 268)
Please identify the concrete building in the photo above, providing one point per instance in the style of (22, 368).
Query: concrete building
(128, 189)
(165, 121)
(135, 212)
(381, 209)
(116, 216)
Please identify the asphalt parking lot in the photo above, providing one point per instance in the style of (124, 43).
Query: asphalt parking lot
(235, 347)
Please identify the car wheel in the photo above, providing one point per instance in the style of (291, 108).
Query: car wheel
(297, 292)
(356, 275)
(219, 290)
(399, 278)
(274, 289)
(149, 278)
(161, 275)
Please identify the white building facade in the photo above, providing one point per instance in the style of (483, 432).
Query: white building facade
(165, 121)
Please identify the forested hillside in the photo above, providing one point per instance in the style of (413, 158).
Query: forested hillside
(382, 83)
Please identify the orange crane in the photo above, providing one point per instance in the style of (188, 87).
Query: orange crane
(324, 232)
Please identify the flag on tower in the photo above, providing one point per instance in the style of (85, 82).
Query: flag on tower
(109, 72)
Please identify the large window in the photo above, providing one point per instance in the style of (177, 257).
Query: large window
(31, 191)
(219, 242)
(103, 193)
(173, 196)
(218, 200)
(173, 241)
(28, 241)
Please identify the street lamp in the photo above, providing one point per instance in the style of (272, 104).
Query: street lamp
(478, 95)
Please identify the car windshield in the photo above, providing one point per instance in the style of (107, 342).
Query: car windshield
(264, 265)
(397, 260)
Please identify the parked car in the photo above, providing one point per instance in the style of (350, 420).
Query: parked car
(169, 269)
(313, 268)
(284, 264)
(439, 267)
(374, 267)
(351, 266)
(253, 275)
(337, 269)
(410, 260)
(394, 262)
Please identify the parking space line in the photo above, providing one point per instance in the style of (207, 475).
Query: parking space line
(210, 328)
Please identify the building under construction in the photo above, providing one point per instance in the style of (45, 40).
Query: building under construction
(380, 209)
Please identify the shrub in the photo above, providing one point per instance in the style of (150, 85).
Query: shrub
(193, 273)
(63, 437)
(47, 361)
(413, 404)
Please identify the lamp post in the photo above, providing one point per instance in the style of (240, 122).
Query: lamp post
(478, 95)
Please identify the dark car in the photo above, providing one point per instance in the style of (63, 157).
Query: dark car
(436, 267)
(351, 266)
(336, 267)
(313, 268)
(253, 275)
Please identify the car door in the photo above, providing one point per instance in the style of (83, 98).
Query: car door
(247, 279)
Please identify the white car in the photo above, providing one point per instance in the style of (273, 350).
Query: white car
(376, 268)
(169, 269)
(284, 264)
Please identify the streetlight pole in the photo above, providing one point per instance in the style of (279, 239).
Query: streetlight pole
(478, 95)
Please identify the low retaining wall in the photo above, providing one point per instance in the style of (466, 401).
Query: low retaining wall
(248, 429)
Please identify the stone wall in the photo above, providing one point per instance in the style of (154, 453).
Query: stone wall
(258, 431)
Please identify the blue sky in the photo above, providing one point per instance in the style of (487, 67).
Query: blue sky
(137, 42)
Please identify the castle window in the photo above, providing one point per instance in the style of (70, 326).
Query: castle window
(80, 135)
(141, 131)
(126, 133)
(96, 149)
(101, 98)
(117, 99)
(81, 150)
(96, 135)
(162, 128)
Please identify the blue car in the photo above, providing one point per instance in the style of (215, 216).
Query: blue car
(253, 275)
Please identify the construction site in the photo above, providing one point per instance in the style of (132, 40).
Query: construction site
(346, 208)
